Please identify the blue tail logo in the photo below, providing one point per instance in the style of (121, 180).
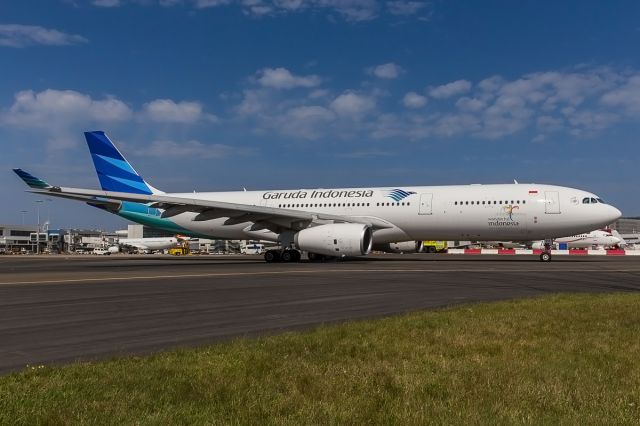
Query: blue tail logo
(398, 194)
(114, 171)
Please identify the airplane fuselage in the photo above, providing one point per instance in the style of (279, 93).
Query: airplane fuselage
(517, 212)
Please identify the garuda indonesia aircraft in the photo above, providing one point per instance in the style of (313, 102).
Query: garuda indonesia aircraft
(338, 222)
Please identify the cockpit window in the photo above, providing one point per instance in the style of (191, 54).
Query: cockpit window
(594, 201)
(586, 200)
(600, 200)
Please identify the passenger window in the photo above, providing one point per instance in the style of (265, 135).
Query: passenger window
(524, 201)
(408, 203)
(483, 203)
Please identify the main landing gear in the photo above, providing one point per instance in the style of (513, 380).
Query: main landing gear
(288, 255)
(545, 256)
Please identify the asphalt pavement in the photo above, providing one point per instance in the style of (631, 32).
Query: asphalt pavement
(57, 309)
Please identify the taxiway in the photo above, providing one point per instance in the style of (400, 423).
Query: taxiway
(59, 309)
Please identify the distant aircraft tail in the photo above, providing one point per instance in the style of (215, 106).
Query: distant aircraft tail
(31, 180)
(114, 171)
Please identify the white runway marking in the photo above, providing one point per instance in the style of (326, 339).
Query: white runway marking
(310, 271)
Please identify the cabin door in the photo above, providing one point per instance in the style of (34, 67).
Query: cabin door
(426, 201)
(552, 205)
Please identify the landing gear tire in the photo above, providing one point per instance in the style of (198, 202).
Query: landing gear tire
(272, 256)
(290, 256)
(545, 257)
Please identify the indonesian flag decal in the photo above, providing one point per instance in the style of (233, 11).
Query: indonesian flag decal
(533, 192)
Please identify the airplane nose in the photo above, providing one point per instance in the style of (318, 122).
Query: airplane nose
(614, 213)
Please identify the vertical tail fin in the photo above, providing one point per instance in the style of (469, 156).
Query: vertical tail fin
(114, 171)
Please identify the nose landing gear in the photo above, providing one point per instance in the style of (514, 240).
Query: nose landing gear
(545, 256)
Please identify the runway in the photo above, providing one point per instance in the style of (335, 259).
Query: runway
(59, 309)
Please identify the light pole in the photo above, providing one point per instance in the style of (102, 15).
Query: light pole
(48, 200)
(38, 202)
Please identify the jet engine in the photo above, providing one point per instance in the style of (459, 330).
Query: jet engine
(401, 247)
(537, 245)
(338, 239)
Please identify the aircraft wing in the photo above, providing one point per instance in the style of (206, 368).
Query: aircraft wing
(267, 217)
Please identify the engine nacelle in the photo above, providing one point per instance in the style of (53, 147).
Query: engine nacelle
(338, 239)
(537, 245)
(401, 247)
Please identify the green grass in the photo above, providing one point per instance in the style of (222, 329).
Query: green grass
(569, 359)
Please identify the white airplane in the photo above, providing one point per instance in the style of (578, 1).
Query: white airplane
(597, 238)
(342, 221)
(150, 244)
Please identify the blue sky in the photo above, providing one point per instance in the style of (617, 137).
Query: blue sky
(225, 94)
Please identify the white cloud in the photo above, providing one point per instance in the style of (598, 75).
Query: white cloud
(414, 100)
(388, 71)
(318, 93)
(349, 10)
(307, 122)
(451, 89)
(470, 104)
(106, 3)
(189, 149)
(352, 104)
(253, 102)
(61, 107)
(281, 78)
(405, 7)
(547, 123)
(626, 96)
(169, 111)
(14, 35)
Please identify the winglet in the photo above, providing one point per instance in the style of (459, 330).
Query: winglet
(31, 180)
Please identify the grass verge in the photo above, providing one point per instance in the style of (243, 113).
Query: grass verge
(560, 359)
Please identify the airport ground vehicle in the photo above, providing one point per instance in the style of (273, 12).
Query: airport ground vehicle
(431, 246)
(101, 252)
(178, 251)
(252, 248)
